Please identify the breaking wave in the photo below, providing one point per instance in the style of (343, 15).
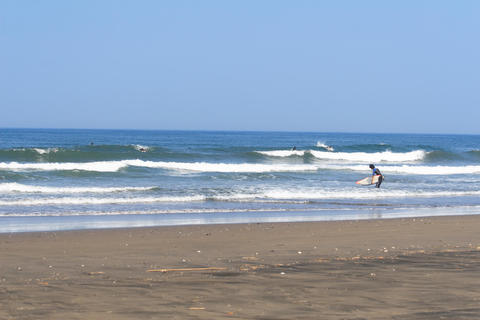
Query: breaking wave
(114, 166)
(321, 144)
(414, 170)
(385, 156)
(283, 153)
(90, 201)
(45, 151)
(17, 187)
(363, 193)
(141, 148)
(269, 196)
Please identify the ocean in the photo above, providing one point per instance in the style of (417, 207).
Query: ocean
(62, 179)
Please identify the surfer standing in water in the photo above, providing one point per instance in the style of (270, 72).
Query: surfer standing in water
(375, 172)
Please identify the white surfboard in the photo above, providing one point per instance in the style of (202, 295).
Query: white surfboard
(368, 180)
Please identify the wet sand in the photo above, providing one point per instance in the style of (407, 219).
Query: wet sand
(423, 268)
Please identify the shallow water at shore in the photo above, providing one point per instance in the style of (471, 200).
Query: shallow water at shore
(99, 221)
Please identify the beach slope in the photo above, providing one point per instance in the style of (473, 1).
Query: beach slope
(423, 268)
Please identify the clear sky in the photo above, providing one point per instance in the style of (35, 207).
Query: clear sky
(342, 66)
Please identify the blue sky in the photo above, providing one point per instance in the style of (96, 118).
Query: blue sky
(342, 66)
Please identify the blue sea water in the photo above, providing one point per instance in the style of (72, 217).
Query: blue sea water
(58, 179)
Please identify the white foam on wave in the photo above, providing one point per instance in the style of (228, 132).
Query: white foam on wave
(99, 166)
(312, 194)
(435, 170)
(141, 148)
(385, 156)
(412, 169)
(282, 153)
(113, 166)
(17, 187)
(228, 167)
(321, 144)
(98, 201)
(45, 151)
(265, 196)
(364, 193)
(37, 150)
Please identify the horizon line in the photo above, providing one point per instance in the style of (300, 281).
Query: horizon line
(237, 130)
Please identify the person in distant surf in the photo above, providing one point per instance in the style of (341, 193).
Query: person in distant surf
(294, 148)
(375, 172)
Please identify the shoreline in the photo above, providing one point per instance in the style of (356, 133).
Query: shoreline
(14, 224)
(405, 268)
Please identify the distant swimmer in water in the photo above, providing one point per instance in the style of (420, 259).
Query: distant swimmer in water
(294, 148)
(376, 172)
(91, 143)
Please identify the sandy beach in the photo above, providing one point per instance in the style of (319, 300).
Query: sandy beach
(423, 268)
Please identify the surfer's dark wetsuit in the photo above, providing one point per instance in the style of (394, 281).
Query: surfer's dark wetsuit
(375, 172)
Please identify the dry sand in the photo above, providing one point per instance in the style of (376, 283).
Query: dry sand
(424, 268)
